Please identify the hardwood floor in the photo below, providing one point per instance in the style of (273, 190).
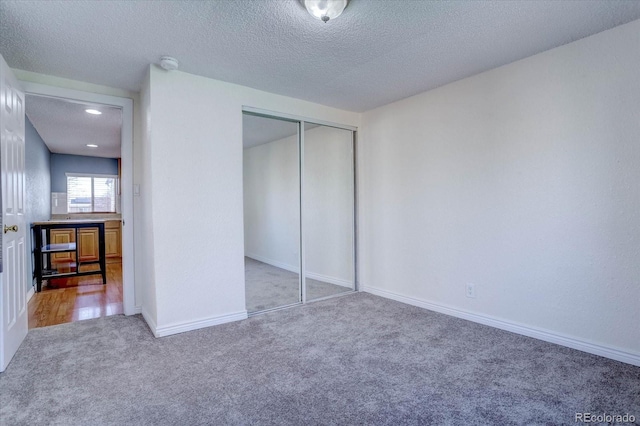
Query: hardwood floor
(79, 298)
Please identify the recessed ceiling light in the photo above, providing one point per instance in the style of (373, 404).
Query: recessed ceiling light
(92, 145)
(93, 111)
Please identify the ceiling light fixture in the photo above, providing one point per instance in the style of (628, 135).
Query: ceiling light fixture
(93, 111)
(325, 9)
(169, 63)
(92, 145)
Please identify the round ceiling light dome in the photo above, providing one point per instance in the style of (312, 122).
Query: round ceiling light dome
(325, 10)
(169, 63)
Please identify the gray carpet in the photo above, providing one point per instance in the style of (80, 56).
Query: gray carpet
(357, 359)
(269, 287)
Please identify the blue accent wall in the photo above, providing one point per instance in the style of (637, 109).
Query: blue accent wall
(37, 174)
(63, 163)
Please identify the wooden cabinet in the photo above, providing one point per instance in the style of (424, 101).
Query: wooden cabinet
(88, 240)
(113, 241)
(88, 248)
(63, 236)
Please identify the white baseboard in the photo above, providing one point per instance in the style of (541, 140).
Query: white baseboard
(30, 293)
(536, 333)
(314, 276)
(182, 327)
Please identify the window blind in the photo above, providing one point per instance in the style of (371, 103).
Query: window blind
(90, 194)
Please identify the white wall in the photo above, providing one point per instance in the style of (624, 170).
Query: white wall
(523, 180)
(271, 204)
(144, 224)
(196, 194)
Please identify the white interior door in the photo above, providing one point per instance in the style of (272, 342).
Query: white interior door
(13, 294)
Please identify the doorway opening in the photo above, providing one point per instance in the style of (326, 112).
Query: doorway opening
(89, 184)
(72, 171)
(299, 210)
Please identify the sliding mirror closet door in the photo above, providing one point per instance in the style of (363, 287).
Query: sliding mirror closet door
(271, 181)
(328, 211)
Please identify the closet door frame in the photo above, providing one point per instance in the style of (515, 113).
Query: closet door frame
(301, 125)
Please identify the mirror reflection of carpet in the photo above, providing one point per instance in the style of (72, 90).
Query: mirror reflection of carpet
(269, 287)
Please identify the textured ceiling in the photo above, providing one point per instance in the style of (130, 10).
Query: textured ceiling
(66, 128)
(375, 53)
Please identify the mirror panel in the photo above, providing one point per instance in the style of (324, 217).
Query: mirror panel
(271, 183)
(328, 211)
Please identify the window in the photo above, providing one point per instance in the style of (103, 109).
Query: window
(91, 193)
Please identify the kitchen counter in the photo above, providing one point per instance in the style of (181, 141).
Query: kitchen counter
(70, 221)
(83, 216)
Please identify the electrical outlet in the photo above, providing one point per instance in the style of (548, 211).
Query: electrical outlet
(471, 290)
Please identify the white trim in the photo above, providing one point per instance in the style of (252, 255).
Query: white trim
(314, 276)
(30, 293)
(182, 327)
(126, 163)
(137, 309)
(536, 333)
